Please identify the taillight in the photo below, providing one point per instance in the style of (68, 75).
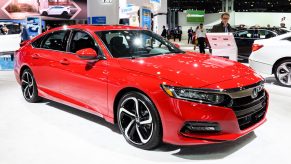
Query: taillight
(256, 47)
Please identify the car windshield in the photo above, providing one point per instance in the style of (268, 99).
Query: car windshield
(136, 43)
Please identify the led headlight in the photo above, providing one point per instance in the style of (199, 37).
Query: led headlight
(194, 95)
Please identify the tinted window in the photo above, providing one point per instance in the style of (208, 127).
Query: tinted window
(265, 34)
(245, 34)
(134, 43)
(56, 41)
(81, 40)
(37, 43)
(12, 29)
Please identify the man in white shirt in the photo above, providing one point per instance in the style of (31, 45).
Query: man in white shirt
(201, 35)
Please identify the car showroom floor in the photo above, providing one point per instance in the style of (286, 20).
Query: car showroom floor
(49, 132)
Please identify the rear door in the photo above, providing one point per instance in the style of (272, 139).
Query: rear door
(244, 40)
(46, 58)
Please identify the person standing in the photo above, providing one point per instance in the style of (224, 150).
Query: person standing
(5, 30)
(178, 34)
(223, 26)
(201, 35)
(190, 35)
(194, 38)
(164, 32)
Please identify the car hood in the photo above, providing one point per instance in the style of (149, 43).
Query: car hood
(189, 69)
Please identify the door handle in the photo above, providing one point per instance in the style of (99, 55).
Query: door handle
(65, 62)
(35, 56)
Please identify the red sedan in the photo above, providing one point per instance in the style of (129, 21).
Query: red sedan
(154, 91)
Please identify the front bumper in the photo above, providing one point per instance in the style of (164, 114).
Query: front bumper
(178, 112)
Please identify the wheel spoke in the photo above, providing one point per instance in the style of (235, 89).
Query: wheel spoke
(289, 79)
(140, 135)
(132, 131)
(23, 81)
(25, 91)
(282, 75)
(27, 77)
(128, 127)
(285, 68)
(148, 121)
(127, 112)
(30, 92)
(136, 106)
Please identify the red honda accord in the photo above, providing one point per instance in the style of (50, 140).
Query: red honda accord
(154, 91)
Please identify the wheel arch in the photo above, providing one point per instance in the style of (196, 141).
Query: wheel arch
(24, 67)
(118, 97)
(124, 91)
(277, 62)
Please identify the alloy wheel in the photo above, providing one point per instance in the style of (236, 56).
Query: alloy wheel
(27, 83)
(136, 121)
(284, 73)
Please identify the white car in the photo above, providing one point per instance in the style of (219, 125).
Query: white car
(11, 42)
(273, 56)
(56, 10)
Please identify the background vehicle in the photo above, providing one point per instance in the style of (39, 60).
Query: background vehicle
(145, 84)
(56, 10)
(245, 39)
(272, 56)
(10, 43)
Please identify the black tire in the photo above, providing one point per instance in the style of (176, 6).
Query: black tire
(29, 87)
(133, 127)
(279, 72)
(65, 13)
(44, 13)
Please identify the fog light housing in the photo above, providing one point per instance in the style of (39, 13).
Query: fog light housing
(200, 127)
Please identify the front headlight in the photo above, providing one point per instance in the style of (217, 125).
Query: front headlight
(194, 95)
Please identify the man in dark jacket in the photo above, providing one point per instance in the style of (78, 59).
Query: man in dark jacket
(164, 32)
(224, 26)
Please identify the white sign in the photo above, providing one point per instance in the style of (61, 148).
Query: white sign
(223, 44)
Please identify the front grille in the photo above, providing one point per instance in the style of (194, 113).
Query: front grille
(248, 110)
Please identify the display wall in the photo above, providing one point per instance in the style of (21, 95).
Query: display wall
(47, 9)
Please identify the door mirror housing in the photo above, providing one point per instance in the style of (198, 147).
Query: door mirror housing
(87, 54)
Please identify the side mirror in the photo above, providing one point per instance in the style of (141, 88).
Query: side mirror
(87, 54)
(177, 45)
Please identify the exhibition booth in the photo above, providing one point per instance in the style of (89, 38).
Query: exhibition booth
(115, 88)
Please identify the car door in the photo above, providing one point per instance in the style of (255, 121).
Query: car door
(85, 81)
(244, 40)
(46, 57)
(54, 11)
(283, 48)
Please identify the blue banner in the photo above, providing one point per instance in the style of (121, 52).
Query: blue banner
(146, 18)
(99, 20)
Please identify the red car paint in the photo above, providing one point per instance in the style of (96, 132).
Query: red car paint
(65, 78)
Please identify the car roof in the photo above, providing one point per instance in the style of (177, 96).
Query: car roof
(99, 27)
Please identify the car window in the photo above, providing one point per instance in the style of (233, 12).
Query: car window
(55, 41)
(81, 40)
(136, 43)
(12, 29)
(37, 43)
(265, 34)
(244, 34)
